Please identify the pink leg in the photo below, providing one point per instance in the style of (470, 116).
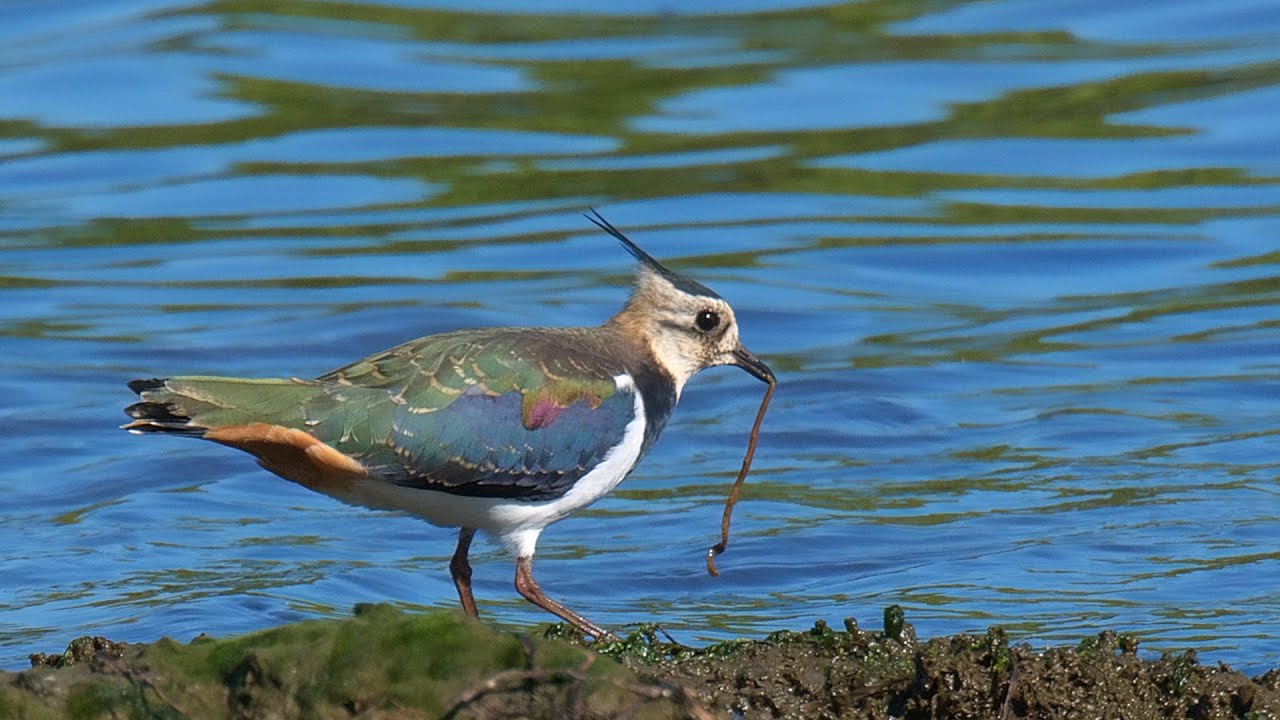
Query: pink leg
(461, 571)
(528, 587)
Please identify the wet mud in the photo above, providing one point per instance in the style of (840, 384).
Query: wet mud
(385, 663)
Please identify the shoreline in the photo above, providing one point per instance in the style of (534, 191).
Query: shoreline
(386, 663)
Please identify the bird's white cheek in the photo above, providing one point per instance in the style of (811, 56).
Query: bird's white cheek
(676, 360)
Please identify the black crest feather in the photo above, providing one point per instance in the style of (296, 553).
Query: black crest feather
(680, 282)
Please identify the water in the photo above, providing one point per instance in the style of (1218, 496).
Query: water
(1015, 265)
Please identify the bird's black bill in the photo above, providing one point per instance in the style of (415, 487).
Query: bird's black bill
(752, 364)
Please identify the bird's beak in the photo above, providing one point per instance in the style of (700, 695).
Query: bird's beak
(744, 359)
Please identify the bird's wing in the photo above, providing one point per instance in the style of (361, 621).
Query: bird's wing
(508, 413)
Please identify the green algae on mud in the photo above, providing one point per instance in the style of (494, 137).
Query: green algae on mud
(384, 663)
(381, 663)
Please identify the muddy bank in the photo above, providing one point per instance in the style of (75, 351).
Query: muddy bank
(384, 663)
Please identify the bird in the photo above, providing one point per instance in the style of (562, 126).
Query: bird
(499, 430)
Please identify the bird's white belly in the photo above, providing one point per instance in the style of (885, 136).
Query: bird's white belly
(516, 523)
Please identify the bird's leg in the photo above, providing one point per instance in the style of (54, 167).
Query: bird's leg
(528, 587)
(460, 569)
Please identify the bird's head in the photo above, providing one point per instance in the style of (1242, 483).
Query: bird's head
(686, 325)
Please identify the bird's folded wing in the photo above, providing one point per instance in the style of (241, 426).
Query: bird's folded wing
(518, 414)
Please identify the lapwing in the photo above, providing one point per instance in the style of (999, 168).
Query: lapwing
(502, 430)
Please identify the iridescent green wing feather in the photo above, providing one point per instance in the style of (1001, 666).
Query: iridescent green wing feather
(515, 413)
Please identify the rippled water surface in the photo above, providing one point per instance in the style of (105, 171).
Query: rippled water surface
(1015, 264)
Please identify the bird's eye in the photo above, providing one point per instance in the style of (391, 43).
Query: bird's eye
(707, 321)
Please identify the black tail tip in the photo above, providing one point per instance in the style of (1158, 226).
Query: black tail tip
(142, 385)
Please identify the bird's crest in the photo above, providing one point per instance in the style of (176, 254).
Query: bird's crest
(678, 281)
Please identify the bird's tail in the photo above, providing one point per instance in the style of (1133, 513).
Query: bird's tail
(265, 418)
(192, 405)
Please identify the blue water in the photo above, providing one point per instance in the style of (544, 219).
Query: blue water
(1015, 263)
